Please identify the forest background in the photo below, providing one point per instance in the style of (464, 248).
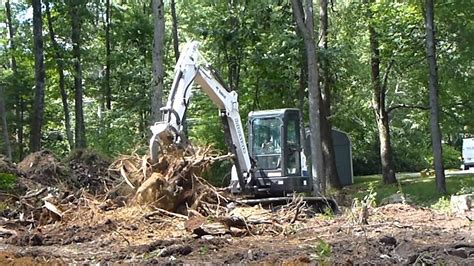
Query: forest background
(258, 50)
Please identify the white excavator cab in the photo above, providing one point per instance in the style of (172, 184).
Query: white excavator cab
(276, 149)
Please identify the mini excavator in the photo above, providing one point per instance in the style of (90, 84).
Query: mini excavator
(269, 170)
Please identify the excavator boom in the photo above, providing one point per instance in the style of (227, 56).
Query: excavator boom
(192, 67)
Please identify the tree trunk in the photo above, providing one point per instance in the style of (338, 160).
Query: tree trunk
(434, 104)
(330, 169)
(19, 100)
(232, 45)
(11, 36)
(158, 58)
(38, 106)
(306, 27)
(302, 82)
(3, 117)
(381, 114)
(175, 30)
(76, 23)
(108, 23)
(62, 82)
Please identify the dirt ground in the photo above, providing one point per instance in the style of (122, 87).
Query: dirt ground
(77, 211)
(394, 234)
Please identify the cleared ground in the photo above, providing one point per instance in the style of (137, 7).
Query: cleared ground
(92, 229)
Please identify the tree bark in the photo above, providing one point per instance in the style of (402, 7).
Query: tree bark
(433, 95)
(175, 30)
(3, 117)
(62, 82)
(381, 114)
(11, 34)
(158, 58)
(108, 24)
(330, 169)
(40, 76)
(76, 23)
(302, 95)
(306, 27)
(19, 110)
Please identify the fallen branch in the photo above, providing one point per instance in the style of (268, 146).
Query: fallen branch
(7, 232)
(161, 211)
(48, 205)
(124, 175)
(34, 194)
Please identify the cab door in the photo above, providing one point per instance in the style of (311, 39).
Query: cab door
(292, 144)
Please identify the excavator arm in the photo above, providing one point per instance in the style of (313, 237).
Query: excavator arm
(192, 67)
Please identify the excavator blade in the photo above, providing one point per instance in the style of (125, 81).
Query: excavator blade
(162, 135)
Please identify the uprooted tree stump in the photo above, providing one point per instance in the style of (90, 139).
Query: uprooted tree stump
(173, 183)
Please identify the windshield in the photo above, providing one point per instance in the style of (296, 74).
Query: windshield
(266, 146)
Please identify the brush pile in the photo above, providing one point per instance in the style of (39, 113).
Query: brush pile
(85, 189)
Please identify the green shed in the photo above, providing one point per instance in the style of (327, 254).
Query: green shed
(343, 152)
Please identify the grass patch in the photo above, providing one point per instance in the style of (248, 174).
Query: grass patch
(7, 182)
(421, 189)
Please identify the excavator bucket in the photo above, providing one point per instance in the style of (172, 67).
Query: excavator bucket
(162, 134)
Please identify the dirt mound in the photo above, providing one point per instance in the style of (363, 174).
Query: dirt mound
(43, 167)
(89, 170)
(7, 167)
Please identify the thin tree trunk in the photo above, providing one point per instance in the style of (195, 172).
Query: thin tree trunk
(306, 27)
(40, 76)
(158, 58)
(76, 23)
(175, 30)
(3, 117)
(330, 169)
(302, 82)
(11, 33)
(19, 100)
(301, 99)
(434, 104)
(108, 24)
(62, 82)
(381, 114)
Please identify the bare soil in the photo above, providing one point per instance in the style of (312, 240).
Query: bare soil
(395, 234)
(81, 225)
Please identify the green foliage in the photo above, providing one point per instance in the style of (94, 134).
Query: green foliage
(421, 189)
(7, 181)
(255, 47)
(443, 205)
(369, 198)
(465, 188)
(203, 250)
(451, 157)
(321, 251)
(219, 173)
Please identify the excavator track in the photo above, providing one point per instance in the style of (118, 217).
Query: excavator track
(318, 204)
